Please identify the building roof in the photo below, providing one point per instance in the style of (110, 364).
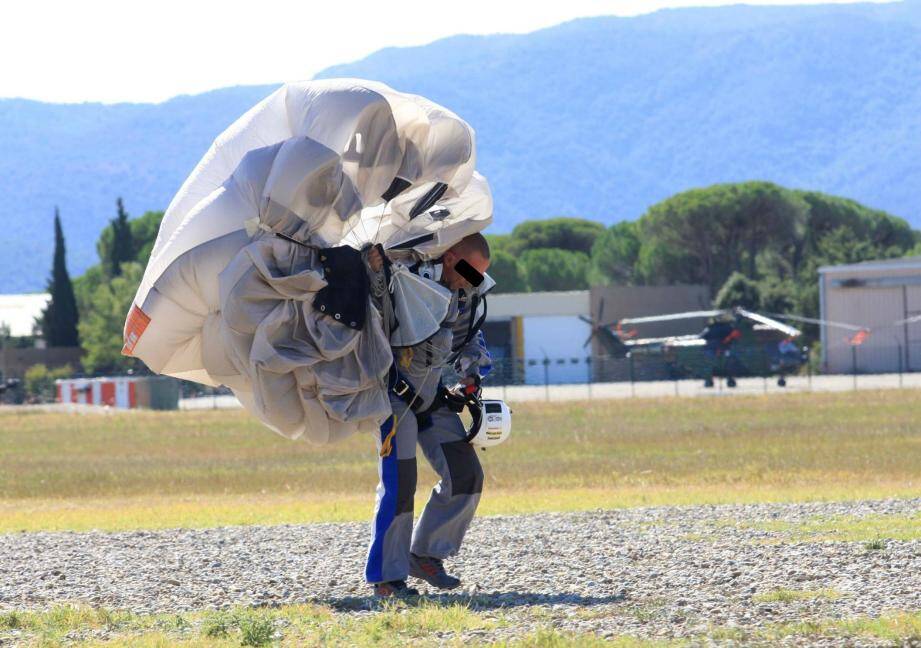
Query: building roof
(901, 263)
(19, 311)
(539, 304)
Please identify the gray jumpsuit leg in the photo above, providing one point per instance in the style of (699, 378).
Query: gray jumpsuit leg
(453, 502)
(391, 530)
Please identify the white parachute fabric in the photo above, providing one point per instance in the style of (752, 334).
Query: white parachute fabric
(226, 301)
(420, 306)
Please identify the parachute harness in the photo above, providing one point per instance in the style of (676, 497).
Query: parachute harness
(428, 346)
(387, 443)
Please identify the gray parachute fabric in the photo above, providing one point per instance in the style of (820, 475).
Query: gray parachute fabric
(228, 294)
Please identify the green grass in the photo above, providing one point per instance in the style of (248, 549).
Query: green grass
(872, 530)
(198, 469)
(424, 624)
(897, 628)
(783, 595)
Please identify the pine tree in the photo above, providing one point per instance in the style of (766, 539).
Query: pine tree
(59, 319)
(122, 243)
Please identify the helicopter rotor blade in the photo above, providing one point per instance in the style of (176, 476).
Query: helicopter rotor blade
(672, 316)
(764, 320)
(813, 320)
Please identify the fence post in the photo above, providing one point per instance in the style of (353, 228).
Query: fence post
(808, 368)
(632, 384)
(591, 377)
(547, 379)
(854, 363)
(899, 344)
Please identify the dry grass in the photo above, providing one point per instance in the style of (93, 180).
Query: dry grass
(151, 469)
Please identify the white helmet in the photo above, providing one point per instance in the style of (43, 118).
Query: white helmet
(494, 425)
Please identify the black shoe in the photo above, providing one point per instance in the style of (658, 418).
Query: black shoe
(394, 589)
(432, 571)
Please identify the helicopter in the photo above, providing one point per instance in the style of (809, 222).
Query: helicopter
(735, 343)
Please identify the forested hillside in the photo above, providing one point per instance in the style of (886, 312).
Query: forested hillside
(597, 118)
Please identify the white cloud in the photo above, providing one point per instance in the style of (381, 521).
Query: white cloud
(104, 50)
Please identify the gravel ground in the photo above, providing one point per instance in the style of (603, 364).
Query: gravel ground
(652, 572)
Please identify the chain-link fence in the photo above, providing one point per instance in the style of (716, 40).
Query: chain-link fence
(648, 372)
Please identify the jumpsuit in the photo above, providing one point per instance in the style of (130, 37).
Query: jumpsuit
(441, 435)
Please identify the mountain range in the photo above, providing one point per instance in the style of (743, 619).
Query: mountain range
(597, 118)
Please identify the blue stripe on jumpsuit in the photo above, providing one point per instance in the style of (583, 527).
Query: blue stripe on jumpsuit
(386, 512)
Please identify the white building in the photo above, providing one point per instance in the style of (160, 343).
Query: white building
(524, 329)
(879, 296)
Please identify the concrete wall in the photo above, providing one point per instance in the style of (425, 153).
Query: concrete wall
(14, 362)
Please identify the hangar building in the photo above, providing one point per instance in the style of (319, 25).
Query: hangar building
(541, 336)
(878, 295)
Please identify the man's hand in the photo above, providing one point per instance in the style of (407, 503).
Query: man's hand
(375, 260)
(464, 386)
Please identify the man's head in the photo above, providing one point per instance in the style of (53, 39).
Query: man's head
(474, 250)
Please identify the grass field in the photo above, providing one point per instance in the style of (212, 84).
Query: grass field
(425, 624)
(159, 469)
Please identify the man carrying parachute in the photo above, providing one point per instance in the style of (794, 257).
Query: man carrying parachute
(259, 279)
(424, 412)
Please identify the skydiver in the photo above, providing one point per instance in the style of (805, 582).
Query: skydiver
(421, 414)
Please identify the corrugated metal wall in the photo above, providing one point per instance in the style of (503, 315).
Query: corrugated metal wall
(874, 298)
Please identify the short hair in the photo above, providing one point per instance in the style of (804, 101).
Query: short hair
(473, 243)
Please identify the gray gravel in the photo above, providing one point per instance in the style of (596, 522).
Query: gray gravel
(651, 572)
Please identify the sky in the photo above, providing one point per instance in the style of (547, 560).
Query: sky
(127, 50)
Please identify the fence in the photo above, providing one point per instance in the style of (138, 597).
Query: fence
(656, 373)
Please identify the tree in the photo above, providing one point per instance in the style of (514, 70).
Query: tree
(778, 296)
(575, 234)
(738, 290)
(39, 380)
(555, 269)
(101, 327)
(615, 253)
(60, 317)
(712, 232)
(116, 245)
(143, 232)
(498, 242)
(507, 272)
(143, 236)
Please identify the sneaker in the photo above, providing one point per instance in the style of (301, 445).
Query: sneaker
(397, 589)
(432, 571)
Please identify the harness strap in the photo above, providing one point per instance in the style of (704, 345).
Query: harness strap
(387, 443)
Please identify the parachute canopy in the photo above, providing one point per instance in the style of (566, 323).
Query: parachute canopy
(228, 294)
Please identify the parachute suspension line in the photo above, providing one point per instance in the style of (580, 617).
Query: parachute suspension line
(380, 222)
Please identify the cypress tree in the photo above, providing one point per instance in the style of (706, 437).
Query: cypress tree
(59, 319)
(122, 243)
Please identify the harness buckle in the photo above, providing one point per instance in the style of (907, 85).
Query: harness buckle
(401, 387)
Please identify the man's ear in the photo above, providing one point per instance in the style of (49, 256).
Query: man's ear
(449, 258)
